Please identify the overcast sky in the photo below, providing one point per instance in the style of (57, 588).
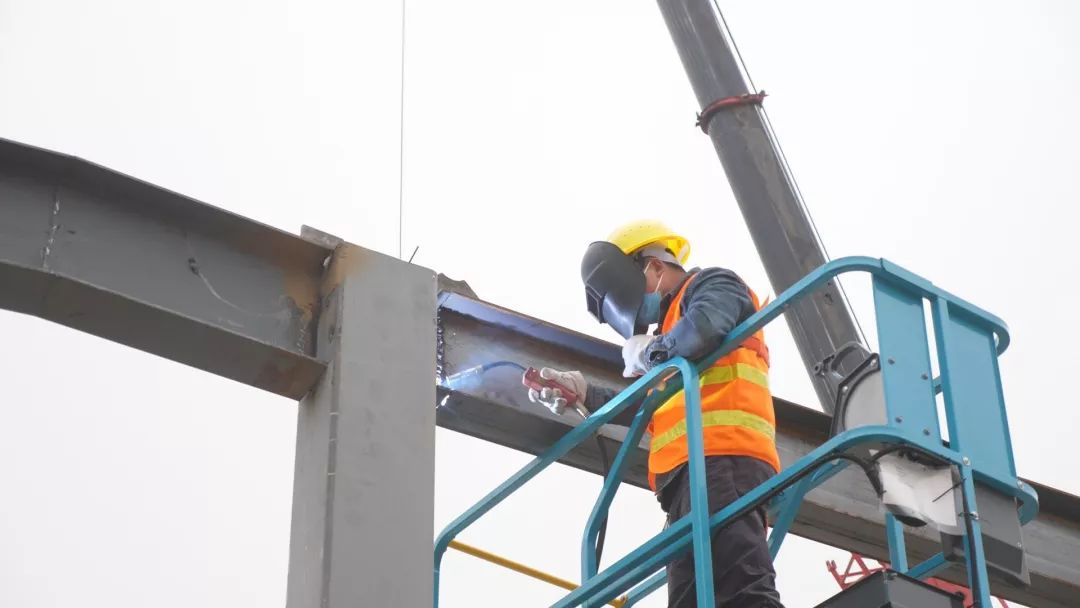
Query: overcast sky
(940, 135)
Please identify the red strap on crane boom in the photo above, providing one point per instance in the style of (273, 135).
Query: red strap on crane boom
(727, 102)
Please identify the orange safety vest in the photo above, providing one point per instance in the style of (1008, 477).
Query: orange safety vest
(736, 406)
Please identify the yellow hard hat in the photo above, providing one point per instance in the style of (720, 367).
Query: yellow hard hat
(634, 236)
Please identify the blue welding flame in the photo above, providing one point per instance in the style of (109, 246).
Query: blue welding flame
(455, 381)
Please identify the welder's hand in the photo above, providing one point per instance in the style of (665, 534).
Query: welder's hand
(553, 398)
(633, 355)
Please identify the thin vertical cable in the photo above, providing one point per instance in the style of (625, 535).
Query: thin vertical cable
(738, 53)
(786, 167)
(401, 144)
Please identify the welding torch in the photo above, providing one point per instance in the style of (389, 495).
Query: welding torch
(531, 378)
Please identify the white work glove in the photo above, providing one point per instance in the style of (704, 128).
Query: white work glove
(633, 355)
(553, 398)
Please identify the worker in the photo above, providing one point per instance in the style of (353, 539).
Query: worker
(635, 280)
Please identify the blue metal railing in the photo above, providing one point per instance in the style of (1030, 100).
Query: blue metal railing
(962, 331)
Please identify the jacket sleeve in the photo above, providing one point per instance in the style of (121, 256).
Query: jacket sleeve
(716, 300)
(596, 397)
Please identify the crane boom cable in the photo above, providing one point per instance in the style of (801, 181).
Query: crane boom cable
(770, 132)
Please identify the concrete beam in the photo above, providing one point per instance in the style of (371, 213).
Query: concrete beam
(107, 254)
(843, 513)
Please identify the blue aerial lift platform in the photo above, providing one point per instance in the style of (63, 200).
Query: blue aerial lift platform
(924, 470)
(977, 453)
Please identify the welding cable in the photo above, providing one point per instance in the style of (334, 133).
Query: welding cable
(605, 463)
(503, 363)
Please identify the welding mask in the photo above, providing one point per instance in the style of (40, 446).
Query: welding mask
(614, 288)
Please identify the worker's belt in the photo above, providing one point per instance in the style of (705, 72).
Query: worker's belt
(723, 374)
(712, 419)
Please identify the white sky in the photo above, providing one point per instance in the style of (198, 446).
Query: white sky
(938, 135)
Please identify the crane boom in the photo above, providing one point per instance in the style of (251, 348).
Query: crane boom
(763, 188)
(823, 326)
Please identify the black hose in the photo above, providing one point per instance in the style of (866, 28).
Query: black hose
(503, 363)
(605, 462)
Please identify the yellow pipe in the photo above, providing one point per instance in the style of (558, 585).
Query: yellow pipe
(523, 569)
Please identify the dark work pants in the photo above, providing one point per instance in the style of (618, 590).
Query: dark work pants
(743, 575)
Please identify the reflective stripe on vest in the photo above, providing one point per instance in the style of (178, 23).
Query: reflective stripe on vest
(716, 418)
(716, 376)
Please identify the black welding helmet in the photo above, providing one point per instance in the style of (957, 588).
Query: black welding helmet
(614, 287)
